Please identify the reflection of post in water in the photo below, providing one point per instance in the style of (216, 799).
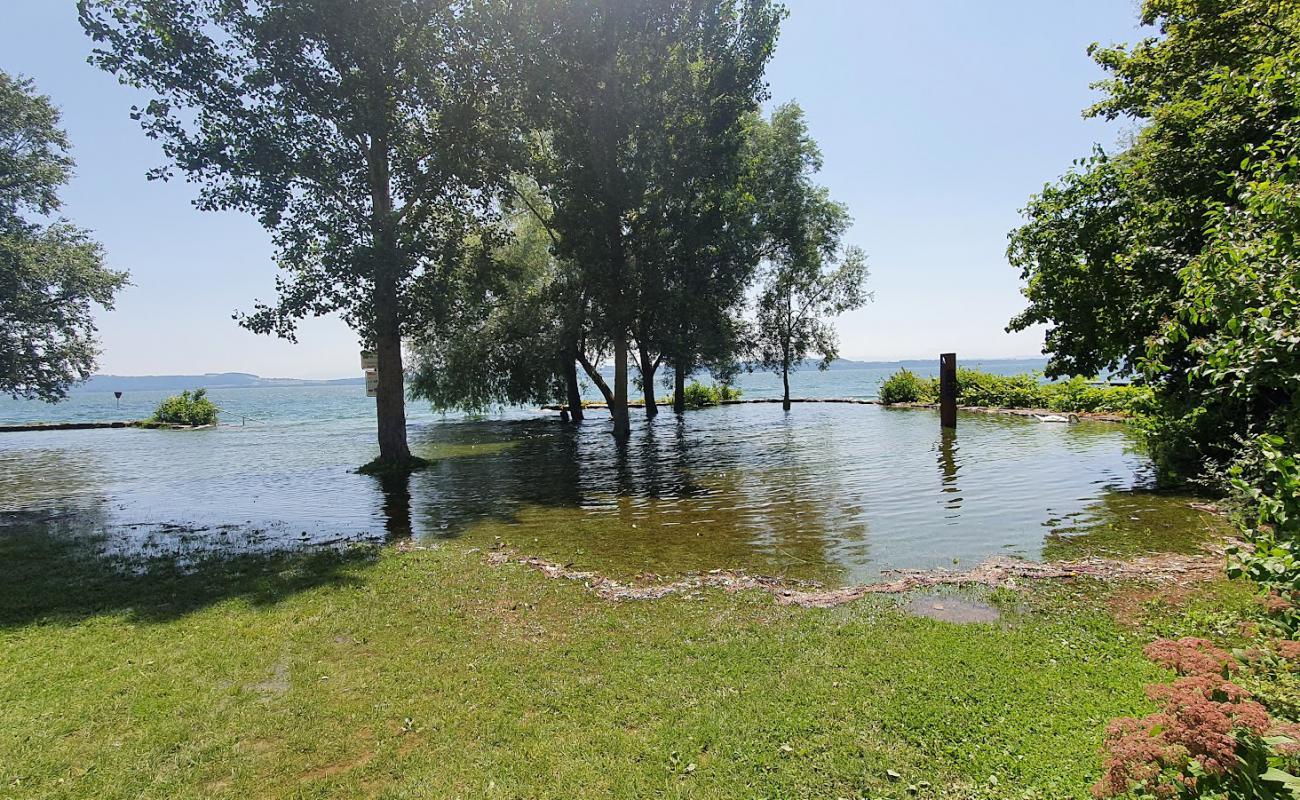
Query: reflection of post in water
(949, 466)
(396, 489)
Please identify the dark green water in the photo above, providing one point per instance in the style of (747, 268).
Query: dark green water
(832, 492)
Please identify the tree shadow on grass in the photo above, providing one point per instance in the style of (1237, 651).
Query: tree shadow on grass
(56, 572)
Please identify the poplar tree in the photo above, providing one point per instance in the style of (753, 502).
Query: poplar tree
(365, 135)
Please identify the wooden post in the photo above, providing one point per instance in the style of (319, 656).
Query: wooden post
(948, 390)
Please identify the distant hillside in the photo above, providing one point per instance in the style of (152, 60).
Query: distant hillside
(212, 380)
(1027, 364)
(244, 380)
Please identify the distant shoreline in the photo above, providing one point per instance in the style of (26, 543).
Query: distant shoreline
(245, 380)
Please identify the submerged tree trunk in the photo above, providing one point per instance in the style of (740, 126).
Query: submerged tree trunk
(785, 382)
(648, 370)
(679, 389)
(573, 394)
(618, 409)
(390, 395)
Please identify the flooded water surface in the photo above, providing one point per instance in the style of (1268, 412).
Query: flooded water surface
(832, 492)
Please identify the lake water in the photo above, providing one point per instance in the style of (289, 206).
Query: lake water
(838, 493)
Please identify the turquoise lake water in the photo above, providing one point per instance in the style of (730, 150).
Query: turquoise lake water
(839, 493)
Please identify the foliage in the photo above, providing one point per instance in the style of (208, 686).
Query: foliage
(699, 395)
(695, 269)
(1266, 484)
(810, 274)
(192, 409)
(50, 274)
(987, 390)
(905, 387)
(365, 135)
(1210, 738)
(637, 108)
(502, 343)
(1176, 257)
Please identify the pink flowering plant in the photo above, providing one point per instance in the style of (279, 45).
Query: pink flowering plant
(1209, 739)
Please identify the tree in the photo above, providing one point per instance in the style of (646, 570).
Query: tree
(619, 80)
(810, 275)
(1101, 249)
(699, 251)
(367, 135)
(1169, 259)
(504, 343)
(50, 274)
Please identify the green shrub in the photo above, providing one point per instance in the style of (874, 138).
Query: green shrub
(699, 395)
(186, 408)
(984, 389)
(905, 387)
(976, 388)
(1266, 487)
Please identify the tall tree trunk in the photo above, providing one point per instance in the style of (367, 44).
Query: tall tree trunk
(785, 381)
(618, 410)
(574, 395)
(679, 388)
(648, 370)
(390, 396)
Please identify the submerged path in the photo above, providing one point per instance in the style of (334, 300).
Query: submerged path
(89, 426)
(1091, 416)
(69, 426)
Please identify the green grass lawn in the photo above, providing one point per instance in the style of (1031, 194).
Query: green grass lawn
(432, 674)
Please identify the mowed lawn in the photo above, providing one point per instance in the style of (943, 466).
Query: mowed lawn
(433, 674)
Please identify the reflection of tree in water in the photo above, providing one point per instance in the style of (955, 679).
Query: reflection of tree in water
(65, 564)
(396, 505)
(668, 499)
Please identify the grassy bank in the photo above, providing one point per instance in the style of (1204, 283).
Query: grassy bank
(432, 674)
(986, 390)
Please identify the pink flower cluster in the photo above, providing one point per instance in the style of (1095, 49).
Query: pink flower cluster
(1275, 604)
(1201, 714)
(1191, 656)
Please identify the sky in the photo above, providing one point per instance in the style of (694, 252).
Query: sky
(937, 121)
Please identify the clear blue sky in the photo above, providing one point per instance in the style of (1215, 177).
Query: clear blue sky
(937, 121)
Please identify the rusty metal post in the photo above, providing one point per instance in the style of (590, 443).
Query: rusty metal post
(948, 390)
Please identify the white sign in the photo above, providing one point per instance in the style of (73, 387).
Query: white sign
(369, 360)
(372, 383)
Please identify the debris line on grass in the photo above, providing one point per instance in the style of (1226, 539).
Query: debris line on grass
(995, 572)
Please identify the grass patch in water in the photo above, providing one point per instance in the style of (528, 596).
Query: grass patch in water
(431, 674)
(1128, 524)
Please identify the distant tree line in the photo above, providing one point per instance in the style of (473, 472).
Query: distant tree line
(522, 190)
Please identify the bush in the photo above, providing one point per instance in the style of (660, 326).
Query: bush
(699, 395)
(976, 388)
(984, 389)
(905, 387)
(1266, 487)
(186, 408)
